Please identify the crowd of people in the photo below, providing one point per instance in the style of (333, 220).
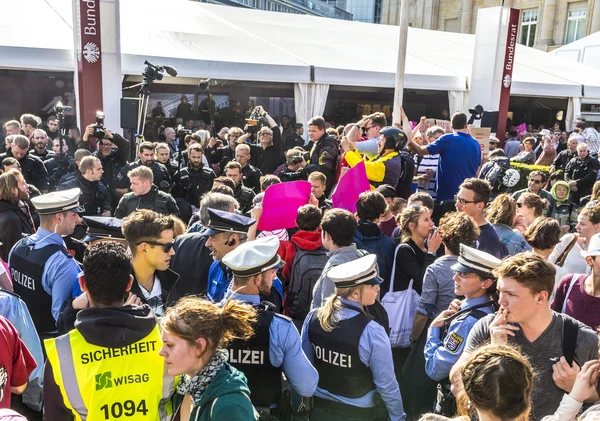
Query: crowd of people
(146, 289)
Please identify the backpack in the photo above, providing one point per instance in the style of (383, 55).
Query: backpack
(496, 174)
(307, 268)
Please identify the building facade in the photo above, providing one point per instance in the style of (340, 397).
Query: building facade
(302, 7)
(545, 24)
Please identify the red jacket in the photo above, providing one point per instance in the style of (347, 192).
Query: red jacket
(306, 240)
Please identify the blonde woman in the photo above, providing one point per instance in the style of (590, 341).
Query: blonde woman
(351, 352)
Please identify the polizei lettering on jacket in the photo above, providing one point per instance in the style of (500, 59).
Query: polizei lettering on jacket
(21, 279)
(107, 353)
(333, 357)
(246, 356)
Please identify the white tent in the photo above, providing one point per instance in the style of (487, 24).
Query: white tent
(586, 50)
(203, 40)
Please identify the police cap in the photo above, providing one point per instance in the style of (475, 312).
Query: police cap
(254, 257)
(103, 227)
(476, 261)
(356, 272)
(57, 202)
(221, 221)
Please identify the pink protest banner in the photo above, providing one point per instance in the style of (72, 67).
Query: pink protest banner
(351, 185)
(280, 205)
(413, 124)
(521, 128)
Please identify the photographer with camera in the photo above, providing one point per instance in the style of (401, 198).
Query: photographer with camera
(266, 156)
(162, 180)
(112, 161)
(295, 166)
(32, 167)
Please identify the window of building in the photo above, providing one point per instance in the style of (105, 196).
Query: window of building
(451, 25)
(576, 22)
(528, 27)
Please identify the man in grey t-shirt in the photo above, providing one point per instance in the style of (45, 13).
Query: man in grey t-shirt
(525, 282)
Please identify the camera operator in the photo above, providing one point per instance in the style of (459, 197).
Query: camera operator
(191, 182)
(266, 156)
(112, 161)
(295, 167)
(62, 168)
(32, 167)
(162, 180)
(40, 145)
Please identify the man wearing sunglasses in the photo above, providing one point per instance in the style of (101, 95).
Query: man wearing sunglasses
(535, 184)
(151, 237)
(369, 127)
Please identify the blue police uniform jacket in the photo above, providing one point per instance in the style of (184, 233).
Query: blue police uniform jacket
(285, 349)
(442, 353)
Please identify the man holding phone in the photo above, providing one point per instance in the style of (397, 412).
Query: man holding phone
(555, 344)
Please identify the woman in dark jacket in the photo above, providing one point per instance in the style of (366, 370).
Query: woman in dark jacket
(194, 333)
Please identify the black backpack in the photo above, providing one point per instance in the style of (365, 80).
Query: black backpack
(496, 175)
(306, 270)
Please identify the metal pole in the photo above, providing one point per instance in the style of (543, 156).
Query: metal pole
(402, 41)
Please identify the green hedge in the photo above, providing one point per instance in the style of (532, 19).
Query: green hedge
(525, 169)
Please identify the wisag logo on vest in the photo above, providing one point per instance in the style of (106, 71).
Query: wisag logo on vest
(105, 380)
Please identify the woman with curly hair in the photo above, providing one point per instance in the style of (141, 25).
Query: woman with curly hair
(501, 214)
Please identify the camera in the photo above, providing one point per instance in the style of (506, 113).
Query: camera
(99, 126)
(255, 122)
(182, 132)
(301, 174)
(297, 159)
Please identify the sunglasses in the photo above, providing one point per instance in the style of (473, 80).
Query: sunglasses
(535, 181)
(165, 247)
(463, 201)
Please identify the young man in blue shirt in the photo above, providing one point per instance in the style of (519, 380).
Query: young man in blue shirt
(460, 157)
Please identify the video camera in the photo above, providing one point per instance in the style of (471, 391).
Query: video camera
(301, 174)
(297, 159)
(255, 122)
(182, 132)
(99, 126)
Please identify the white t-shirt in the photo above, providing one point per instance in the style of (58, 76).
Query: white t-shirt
(428, 162)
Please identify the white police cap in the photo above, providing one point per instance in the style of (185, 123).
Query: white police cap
(58, 201)
(476, 261)
(356, 272)
(254, 257)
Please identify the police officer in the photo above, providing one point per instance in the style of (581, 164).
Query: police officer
(93, 373)
(191, 182)
(276, 346)
(351, 351)
(386, 166)
(161, 179)
(448, 332)
(42, 270)
(225, 232)
(32, 167)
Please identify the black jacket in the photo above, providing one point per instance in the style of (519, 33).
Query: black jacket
(191, 184)
(32, 168)
(112, 327)
(155, 200)
(244, 196)
(191, 260)
(167, 279)
(113, 163)
(325, 158)
(251, 177)
(162, 179)
(267, 160)
(584, 172)
(94, 197)
(562, 159)
(48, 154)
(219, 155)
(14, 225)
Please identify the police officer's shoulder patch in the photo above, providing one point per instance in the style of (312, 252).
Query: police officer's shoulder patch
(453, 342)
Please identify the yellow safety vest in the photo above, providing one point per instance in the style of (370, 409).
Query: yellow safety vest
(99, 384)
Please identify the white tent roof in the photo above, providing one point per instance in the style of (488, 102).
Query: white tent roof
(586, 50)
(203, 40)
